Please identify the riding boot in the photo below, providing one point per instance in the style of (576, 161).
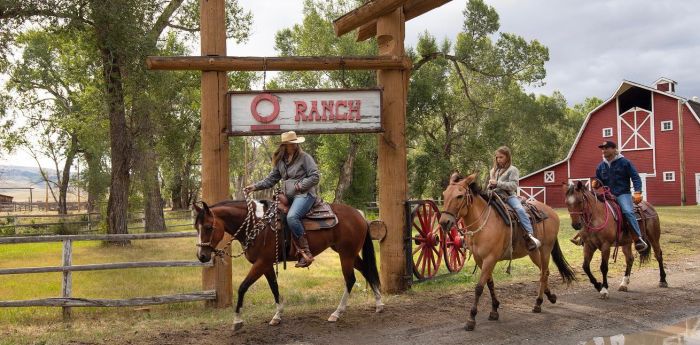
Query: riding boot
(531, 242)
(577, 240)
(303, 248)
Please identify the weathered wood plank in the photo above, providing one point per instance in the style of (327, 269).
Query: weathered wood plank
(116, 237)
(365, 13)
(99, 267)
(296, 63)
(67, 284)
(411, 9)
(88, 302)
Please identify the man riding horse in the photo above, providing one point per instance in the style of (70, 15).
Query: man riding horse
(504, 180)
(299, 174)
(615, 172)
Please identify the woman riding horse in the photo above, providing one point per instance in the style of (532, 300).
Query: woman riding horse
(504, 181)
(299, 173)
(490, 240)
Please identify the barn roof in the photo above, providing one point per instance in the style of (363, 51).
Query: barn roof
(6, 196)
(624, 86)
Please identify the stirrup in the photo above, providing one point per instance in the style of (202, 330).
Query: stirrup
(532, 240)
(640, 245)
(304, 262)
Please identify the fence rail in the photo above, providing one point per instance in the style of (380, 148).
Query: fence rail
(66, 301)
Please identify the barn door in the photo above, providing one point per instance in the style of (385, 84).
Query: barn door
(635, 129)
(533, 193)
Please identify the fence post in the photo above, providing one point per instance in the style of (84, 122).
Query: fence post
(89, 224)
(67, 278)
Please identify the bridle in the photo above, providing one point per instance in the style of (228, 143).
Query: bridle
(466, 201)
(586, 214)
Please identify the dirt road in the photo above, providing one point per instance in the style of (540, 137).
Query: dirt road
(432, 318)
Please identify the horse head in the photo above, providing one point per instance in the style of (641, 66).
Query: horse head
(575, 202)
(210, 230)
(457, 198)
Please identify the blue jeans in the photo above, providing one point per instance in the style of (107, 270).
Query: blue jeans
(625, 202)
(301, 205)
(514, 202)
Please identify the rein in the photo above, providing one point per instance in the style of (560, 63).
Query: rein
(469, 197)
(251, 228)
(587, 217)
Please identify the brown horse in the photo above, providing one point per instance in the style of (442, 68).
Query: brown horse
(263, 250)
(600, 230)
(488, 238)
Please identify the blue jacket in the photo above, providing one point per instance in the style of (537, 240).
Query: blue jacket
(617, 174)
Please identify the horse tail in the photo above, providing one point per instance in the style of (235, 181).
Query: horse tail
(368, 266)
(567, 273)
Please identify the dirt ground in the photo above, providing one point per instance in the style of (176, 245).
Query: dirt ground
(434, 318)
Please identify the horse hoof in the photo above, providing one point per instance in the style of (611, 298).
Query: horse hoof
(470, 326)
(493, 316)
(536, 309)
(275, 322)
(237, 326)
(663, 284)
(552, 298)
(622, 288)
(380, 308)
(604, 293)
(333, 318)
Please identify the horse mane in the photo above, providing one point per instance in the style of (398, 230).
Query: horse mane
(474, 186)
(200, 215)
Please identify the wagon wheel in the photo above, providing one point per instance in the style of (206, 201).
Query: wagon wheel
(455, 250)
(427, 253)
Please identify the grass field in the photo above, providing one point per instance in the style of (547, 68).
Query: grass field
(316, 290)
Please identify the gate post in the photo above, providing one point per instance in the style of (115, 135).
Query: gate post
(214, 132)
(392, 169)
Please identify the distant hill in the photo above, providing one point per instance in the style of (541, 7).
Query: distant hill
(12, 176)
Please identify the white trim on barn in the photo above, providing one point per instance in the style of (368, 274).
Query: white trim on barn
(533, 192)
(669, 176)
(607, 132)
(666, 126)
(549, 176)
(587, 181)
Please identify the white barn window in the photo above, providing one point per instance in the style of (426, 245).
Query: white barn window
(669, 176)
(549, 176)
(666, 126)
(607, 132)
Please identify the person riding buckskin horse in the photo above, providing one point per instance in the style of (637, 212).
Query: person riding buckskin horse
(503, 179)
(615, 172)
(300, 176)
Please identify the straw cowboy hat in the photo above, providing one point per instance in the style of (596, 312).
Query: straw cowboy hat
(291, 138)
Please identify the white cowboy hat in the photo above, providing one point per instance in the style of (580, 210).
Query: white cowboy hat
(291, 138)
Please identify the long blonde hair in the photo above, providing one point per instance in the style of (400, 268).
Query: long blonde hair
(504, 150)
(281, 152)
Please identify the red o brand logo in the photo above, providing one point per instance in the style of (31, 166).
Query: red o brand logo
(275, 107)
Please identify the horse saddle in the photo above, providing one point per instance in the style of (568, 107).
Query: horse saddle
(321, 215)
(508, 213)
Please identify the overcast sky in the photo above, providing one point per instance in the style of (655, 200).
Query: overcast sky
(593, 44)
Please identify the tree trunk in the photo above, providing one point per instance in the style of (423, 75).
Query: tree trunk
(153, 208)
(345, 178)
(65, 176)
(93, 184)
(176, 196)
(118, 202)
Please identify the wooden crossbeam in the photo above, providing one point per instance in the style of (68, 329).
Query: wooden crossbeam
(365, 14)
(411, 9)
(297, 63)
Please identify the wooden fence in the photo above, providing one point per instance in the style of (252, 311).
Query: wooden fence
(66, 301)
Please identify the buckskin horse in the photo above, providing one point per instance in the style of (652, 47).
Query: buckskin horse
(601, 231)
(489, 239)
(261, 246)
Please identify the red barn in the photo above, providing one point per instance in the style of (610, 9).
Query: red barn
(653, 127)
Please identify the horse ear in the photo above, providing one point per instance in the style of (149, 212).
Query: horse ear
(205, 207)
(579, 185)
(470, 179)
(196, 208)
(455, 177)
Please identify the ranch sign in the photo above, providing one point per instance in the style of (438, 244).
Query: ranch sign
(305, 111)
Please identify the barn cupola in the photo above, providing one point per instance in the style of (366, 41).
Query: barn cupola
(666, 85)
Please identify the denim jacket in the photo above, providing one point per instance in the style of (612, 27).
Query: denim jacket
(617, 173)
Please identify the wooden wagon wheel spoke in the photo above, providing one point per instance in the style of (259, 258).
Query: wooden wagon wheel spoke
(426, 235)
(455, 253)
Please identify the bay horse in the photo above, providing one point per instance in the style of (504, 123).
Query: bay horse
(488, 238)
(600, 232)
(262, 247)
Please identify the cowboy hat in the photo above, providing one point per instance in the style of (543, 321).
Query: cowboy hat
(291, 138)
